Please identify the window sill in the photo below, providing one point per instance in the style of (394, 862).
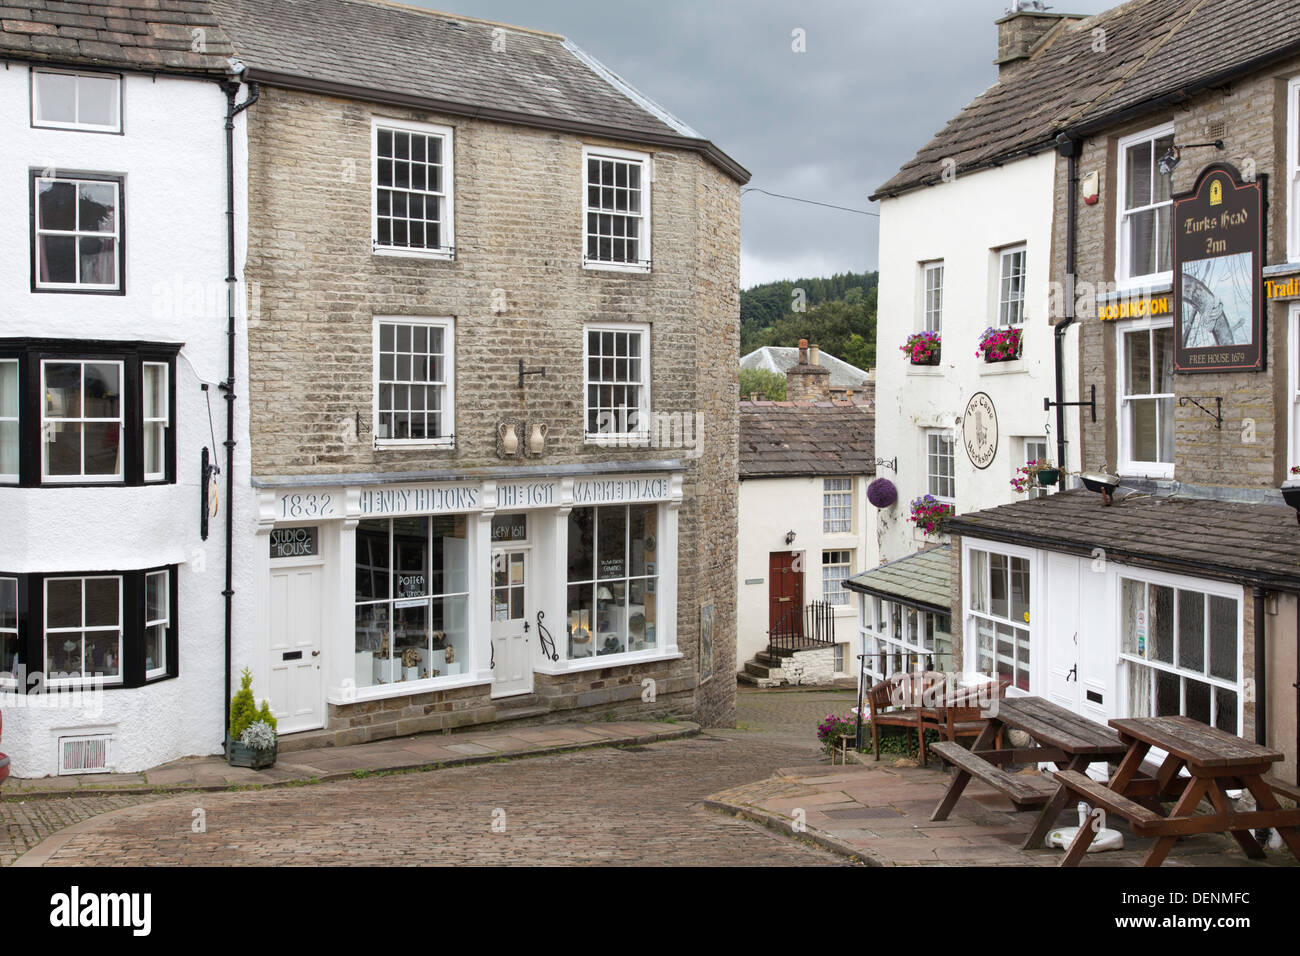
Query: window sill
(405, 689)
(618, 439)
(1138, 470)
(579, 664)
(79, 289)
(615, 267)
(925, 371)
(440, 255)
(1012, 367)
(398, 444)
(1155, 284)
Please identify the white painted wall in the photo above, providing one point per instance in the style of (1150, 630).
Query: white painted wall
(771, 507)
(172, 155)
(963, 223)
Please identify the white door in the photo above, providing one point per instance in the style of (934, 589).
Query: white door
(1063, 632)
(295, 648)
(512, 666)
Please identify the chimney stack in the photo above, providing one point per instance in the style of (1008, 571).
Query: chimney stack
(1021, 30)
(809, 381)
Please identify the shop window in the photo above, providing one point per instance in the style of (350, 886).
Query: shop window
(1011, 286)
(77, 235)
(412, 599)
(896, 638)
(837, 505)
(616, 210)
(1145, 209)
(413, 189)
(998, 609)
(617, 364)
(414, 382)
(932, 311)
(1181, 650)
(613, 578)
(80, 101)
(1146, 431)
(941, 466)
(69, 415)
(836, 566)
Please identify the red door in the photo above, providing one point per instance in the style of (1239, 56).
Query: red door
(784, 593)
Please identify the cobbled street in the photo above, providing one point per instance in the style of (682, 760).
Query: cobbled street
(629, 806)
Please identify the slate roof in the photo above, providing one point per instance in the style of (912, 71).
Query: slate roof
(151, 35)
(380, 50)
(779, 358)
(1154, 49)
(1251, 543)
(923, 579)
(793, 439)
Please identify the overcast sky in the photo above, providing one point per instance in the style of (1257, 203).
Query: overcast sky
(877, 81)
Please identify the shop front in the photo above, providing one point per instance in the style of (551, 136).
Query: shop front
(451, 597)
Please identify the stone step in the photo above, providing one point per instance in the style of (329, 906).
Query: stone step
(759, 669)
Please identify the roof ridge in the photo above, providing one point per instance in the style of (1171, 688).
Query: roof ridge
(429, 11)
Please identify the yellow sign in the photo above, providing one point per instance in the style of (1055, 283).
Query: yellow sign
(1282, 288)
(1136, 308)
(1216, 193)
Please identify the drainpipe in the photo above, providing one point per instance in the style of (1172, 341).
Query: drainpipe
(1261, 670)
(233, 109)
(1070, 149)
(1295, 714)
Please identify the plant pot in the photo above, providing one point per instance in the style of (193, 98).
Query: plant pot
(1048, 476)
(238, 755)
(931, 359)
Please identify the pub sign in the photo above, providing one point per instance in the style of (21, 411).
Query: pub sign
(1218, 257)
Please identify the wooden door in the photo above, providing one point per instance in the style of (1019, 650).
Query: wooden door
(785, 592)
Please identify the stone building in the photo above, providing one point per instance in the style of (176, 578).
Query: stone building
(1173, 124)
(493, 328)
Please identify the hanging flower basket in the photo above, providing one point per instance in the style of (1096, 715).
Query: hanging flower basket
(1040, 472)
(926, 513)
(882, 493)
(1000, 345)
(922, 348)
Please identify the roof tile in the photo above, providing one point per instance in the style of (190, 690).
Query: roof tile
(790, 439)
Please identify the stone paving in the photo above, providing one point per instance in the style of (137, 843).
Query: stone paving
(26, 823)
(880, 814)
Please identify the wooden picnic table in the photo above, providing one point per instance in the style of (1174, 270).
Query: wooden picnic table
(1216, 762)
(1060, 736)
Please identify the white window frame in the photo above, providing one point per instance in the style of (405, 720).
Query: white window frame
(46, 630)
(842, 558)
(1011, 310)
(6, 665)
(970, 614)
(448, 327)
(447, 236)
(932, 296)
(15, 419)
(931, 477)
(837, 498)
(115, 127)
(1027, 454)
(646, 257)
(164, 419)
(77, 234)
(1293, 385)
(1122, 245)
(1293, 169)
(1180, 583)
(83, 478)
(165, 621)
(642, 431)
(905, 649)
(1127, 466)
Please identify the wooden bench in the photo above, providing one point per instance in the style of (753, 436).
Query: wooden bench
(1143, 821)
(1025, 791)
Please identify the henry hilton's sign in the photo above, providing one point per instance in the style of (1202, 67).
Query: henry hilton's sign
(1218, 254)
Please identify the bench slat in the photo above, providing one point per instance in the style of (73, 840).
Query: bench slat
(1023, 789)
(1099, 795)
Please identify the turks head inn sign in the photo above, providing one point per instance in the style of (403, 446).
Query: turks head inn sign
(1218, 257)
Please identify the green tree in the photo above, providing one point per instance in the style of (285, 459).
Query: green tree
(767, 315)
(769, 385)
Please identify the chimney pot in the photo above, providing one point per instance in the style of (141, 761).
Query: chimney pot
(815, 354)
(803, 351)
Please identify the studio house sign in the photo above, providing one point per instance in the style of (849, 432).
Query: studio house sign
(979, 430)
(1218, 255)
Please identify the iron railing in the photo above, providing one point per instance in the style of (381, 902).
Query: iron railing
(802, 628)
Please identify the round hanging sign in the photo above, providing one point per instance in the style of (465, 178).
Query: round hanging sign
(980, 430)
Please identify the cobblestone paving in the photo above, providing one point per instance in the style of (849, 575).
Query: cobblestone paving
(628, 806)
(25, 823)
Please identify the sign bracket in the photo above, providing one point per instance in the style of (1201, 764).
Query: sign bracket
(1090, 404)
(1217, 415)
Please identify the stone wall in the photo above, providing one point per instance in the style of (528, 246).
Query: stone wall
(315, 287)
(1252, 114)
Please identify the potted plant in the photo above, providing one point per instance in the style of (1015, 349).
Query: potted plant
(1291, 490)
(1000, 345)
(252, 740)
(922, 348)
(926, 513)
(1040, 472)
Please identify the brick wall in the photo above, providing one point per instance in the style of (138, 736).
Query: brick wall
(1253, 114)
(315, 287)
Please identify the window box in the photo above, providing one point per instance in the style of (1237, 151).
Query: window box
(922, 348)
(927, 512)
(1000, 345)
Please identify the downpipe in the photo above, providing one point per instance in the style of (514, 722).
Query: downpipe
(1070, 149)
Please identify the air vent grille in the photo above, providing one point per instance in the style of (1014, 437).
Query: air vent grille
(85, 754)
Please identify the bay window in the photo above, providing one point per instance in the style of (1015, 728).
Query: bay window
(1181, 649)
(998, 597)
(77, 233)
(1145, 209)
(412, 599)
(81, 421)
(898, 638)
(9, 401)
(612, 580)
(1146, 425)
(8, 630)
(83, 628)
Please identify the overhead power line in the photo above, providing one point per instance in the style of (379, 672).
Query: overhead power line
(811, 202)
